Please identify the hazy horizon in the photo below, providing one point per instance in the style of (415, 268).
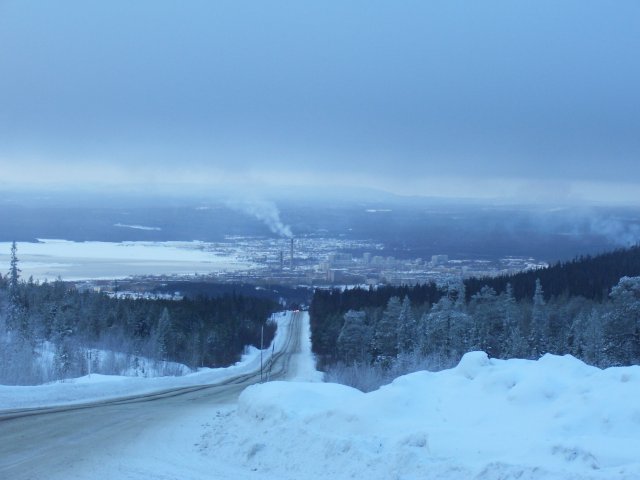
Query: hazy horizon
(512, 101)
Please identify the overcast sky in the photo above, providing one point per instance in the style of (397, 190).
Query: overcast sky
(533, 99)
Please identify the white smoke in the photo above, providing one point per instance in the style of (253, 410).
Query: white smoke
(623, 234)
(619, 227)
(265, 211)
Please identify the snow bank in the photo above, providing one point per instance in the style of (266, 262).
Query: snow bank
(99, 387)
(555, 418)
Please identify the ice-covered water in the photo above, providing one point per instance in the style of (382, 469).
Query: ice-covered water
(49, 259)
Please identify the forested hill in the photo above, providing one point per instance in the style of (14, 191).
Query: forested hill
(199, 331)
(588, 307)
(586, 276)
(591, 277)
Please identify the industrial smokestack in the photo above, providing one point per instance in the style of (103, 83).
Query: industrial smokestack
(291, 259)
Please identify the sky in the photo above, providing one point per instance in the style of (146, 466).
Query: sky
(512, 99)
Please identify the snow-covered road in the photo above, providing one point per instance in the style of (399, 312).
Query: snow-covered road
(550, 419)
(139, 436)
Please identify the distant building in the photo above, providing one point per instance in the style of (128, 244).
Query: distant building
(336, 274)
(439, 259)
(377, 260)
(340, 259)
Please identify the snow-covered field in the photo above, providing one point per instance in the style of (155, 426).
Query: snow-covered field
(48, 259)
(555, 418)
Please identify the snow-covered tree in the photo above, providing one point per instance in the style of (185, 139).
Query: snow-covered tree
(514, 343)
(385, 337)
(354, 338)
(14, 271)
(17, 319)
(539, 323)
(407, 328)
(622, 330)
(164, 334)
(445, 329)
(488, 322)
(436, 326)
(587, 337)
(68, 360)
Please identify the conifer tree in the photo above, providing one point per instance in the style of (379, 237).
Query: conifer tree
(17, 315)
(14, 271)
(485, 309)
(539, 323)
(354, 337)
(514, 342)
(164, 334)
(385, 339)
(407, 328)
(622, 332)
(587, 337)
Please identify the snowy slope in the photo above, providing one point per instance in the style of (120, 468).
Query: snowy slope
(555, 418)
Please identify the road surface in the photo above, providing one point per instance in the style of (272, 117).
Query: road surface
(58, 442)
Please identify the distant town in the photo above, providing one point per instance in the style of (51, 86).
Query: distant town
(319, 262)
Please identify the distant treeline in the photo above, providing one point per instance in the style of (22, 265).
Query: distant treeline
(199, 331)
(589, 307)
(193, 289)
(587, 276)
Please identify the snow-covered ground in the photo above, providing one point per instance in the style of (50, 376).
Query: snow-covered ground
(48, 259)
(125, 364)
(555, 418)
(99, 387)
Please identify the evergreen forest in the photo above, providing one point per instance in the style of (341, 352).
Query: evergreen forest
(588, 307)
(51, 331)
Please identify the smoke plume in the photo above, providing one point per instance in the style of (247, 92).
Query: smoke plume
(618, 232)
(265, 211)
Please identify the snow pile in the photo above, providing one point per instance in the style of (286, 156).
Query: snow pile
(555, 418)
(100, 387)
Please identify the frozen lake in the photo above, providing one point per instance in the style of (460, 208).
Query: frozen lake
(49, 259)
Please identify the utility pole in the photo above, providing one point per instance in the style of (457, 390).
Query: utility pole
(261, 348)
(291, 258)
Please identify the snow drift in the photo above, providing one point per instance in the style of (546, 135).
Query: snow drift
(555, 418)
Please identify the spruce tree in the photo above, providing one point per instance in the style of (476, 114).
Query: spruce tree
(17, 315)
(622, 331)
(14, 271)
(407, 328)
(354, 337)
(385, 339)
(514, 342)
(485, 309)
(539, 323)
(164, 335)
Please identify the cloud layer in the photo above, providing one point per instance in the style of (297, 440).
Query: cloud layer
(393, 95)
